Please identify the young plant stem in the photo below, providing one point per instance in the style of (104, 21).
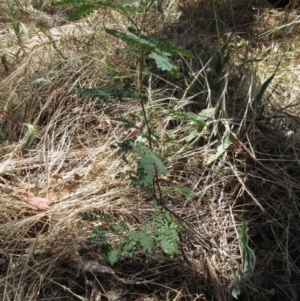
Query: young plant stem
(155, 180)
(159, 200)
(140, 89)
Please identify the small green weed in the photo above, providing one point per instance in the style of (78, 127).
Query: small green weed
(161, 231)
(145, 164)
(247, 271)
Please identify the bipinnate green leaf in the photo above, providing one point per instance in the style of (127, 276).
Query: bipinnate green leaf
(89, 216)
(127, 248)
(104, 94)
(168, 239)
(166, 232)
(137, 95)
(88, 6)
(186, 191)
(95, 216)
(100, 94)
(162, 46)
(102, 215)
(161, 231)
(162, 62)
(159, 50)
(98, 235)
(131, 40)
(146, 241)
(147, 165)
(113, 256)
(118, 228)
(133, 235)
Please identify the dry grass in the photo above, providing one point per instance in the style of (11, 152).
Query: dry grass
(71, 163)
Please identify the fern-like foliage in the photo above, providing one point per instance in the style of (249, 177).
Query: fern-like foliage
(148, 164)
(165, 230)
(95, 216)
(99, 235)
(104, 94)
(86, 7)
(160, 231)
(159, 51)
(119, 228)
(146, 241)
(142, 46)
(99, 232)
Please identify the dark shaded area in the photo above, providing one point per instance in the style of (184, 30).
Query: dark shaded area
(284, 3)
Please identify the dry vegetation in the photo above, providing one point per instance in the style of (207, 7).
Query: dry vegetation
(46, 255)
